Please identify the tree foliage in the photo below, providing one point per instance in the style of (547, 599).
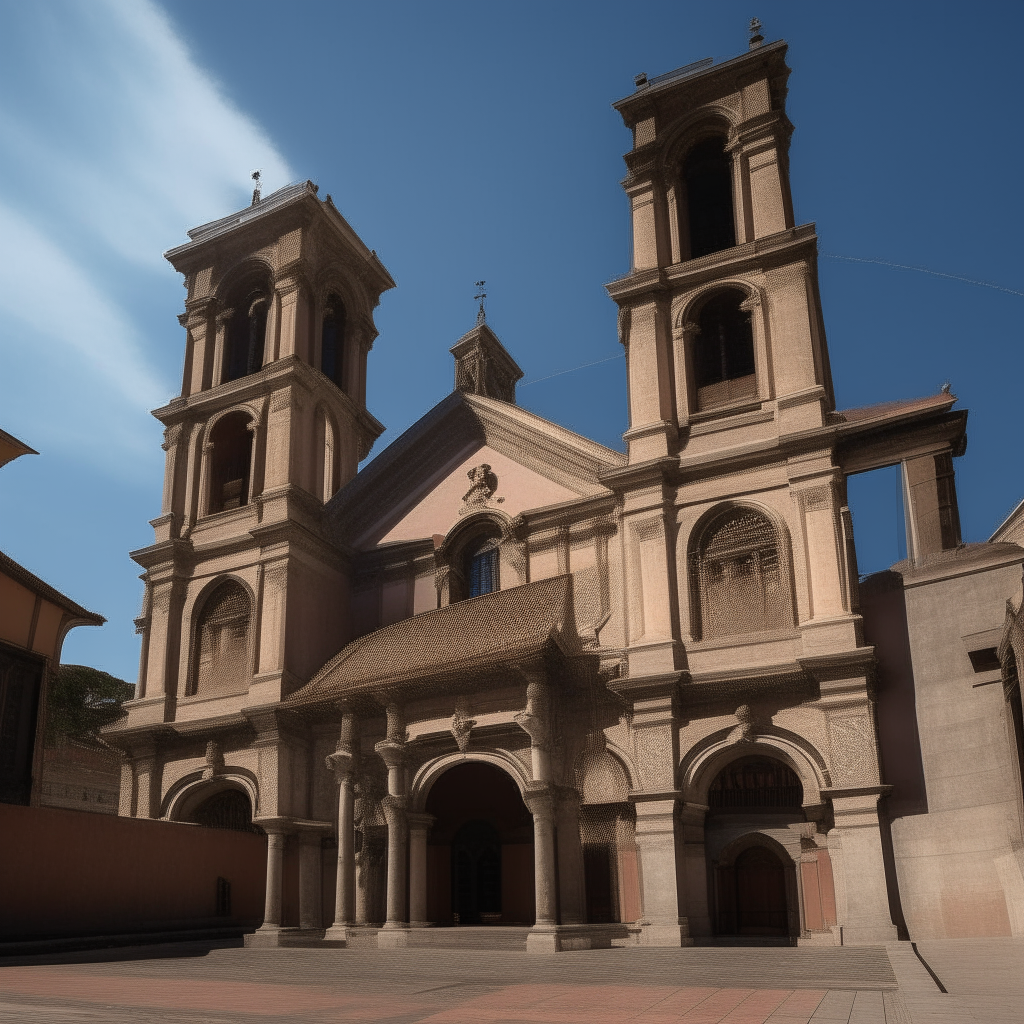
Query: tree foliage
(82, 701)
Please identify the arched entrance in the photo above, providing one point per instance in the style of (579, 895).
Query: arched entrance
(480, 849)
(760, 896)
(753, 802)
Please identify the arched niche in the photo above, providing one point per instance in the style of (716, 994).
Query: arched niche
(740, 574)
(222, 642)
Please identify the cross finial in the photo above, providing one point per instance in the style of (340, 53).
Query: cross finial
(481, 316)
(756, 38)
(256, 191)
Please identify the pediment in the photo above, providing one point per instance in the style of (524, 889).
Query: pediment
(415, 488)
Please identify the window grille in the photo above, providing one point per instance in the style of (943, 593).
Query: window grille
(739, 577)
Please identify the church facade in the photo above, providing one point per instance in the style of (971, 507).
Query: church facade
(503, 674)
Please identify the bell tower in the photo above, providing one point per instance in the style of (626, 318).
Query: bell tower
(720, 314)
(270, 423)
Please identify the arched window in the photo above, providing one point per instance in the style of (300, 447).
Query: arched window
(756, 783)
(221, 662)
(480, 567)
(246, 333)
(230, 462)
(707, 175)
(332, 342)
(723, 355)
(739, 577)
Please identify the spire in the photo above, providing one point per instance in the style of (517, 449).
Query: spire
(481, 315)
(756, 37)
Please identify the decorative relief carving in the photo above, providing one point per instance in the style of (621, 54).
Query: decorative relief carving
(851, 742)
(483, 484)
(816, 498)
(214, 759)
(461, 727)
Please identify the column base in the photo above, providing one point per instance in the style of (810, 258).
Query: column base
(561, 938)
(828, 938)
(664, 935)
(868, 934)
(393, 937)
(337, 936)
(273, 937)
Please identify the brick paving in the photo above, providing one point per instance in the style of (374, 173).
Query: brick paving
(188, 984)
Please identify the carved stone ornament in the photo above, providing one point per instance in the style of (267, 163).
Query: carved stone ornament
(461, 728)
(214, 759)
(746, 730)
(483, 484)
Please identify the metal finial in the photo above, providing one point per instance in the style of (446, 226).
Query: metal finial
(481, 316)
(756, 38)
(945, 387)
(256, 191)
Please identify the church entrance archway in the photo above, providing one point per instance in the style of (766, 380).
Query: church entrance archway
(479, 850)
(754, 802)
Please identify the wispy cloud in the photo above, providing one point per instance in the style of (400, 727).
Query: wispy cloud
(113, 142)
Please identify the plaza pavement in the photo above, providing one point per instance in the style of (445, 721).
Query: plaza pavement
(189, 983)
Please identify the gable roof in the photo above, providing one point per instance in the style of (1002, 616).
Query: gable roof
(407, 469)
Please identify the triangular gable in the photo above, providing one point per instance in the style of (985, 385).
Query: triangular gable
(419, 480)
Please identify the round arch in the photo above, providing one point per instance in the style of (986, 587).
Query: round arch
(688, 308)
(710, 120)
(252, 411)
(189, 792)
(702, 763)
(192, 613)
(250, 268)
(430, 772)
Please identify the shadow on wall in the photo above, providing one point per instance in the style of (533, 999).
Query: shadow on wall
(884, 608)
(72, 873)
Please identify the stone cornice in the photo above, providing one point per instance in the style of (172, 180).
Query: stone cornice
(640, 474)
(789, 246)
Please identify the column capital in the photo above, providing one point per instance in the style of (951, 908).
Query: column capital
(539, 800)
(392, 753)
(420, 822)
(341, 764)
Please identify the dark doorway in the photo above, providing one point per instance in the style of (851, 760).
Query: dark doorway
(752, 895)
(600, 882)
(479, 849)
(476, 873)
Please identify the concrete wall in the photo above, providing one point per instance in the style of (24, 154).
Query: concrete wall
(953, 811)
(71, 873)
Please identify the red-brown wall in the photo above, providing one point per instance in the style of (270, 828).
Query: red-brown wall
(70, 873)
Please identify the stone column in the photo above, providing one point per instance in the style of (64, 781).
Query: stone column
(539, 801)
(341, 763)
(310, 882)
(419, 827)
(267, 933)
(392, 751)
(572, 904)
(222, 320)
(661, 924)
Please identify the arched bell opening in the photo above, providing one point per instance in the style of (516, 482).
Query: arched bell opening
(480, 849)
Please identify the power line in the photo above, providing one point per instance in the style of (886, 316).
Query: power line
(596, 362)
(922, 270)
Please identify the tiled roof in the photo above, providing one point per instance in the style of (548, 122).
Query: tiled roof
(483, 633)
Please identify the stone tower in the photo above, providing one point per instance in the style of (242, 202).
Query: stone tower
(742, 602)
(270, 423)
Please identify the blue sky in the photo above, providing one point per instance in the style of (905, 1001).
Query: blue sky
(467, 141)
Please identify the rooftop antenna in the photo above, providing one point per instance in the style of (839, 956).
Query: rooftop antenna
(256, 191)
(756, 38)
(481, 316)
